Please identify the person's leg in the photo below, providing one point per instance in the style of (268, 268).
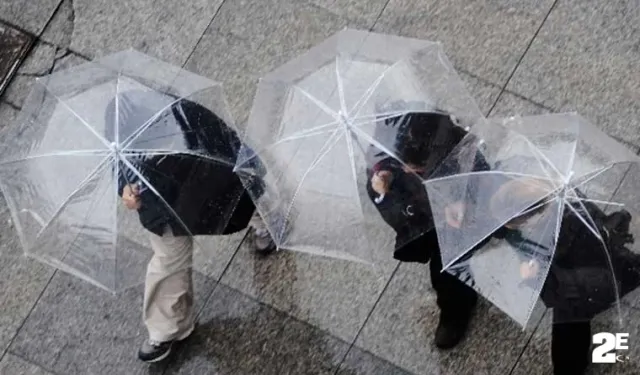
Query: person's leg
(570, 347)
(456, 302)
(262, 240)
(168, 297)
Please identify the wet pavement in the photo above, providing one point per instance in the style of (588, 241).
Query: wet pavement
(293, 313)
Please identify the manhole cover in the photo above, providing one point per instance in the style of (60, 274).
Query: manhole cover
(14, 45)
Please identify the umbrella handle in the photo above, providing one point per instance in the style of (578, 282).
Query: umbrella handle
(379, 199)
(141, 187)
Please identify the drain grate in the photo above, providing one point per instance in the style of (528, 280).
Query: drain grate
(14, 45)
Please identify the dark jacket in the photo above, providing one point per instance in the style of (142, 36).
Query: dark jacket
(584, 274)
(205, 197)
(427, 139)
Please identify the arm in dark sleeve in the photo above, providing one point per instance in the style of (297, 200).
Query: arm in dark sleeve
(390, 208)
(586, 291)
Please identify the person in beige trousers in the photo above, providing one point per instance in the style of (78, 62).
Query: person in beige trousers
(178, 196)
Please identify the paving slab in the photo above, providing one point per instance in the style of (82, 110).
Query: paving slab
(59, 31)
(77, 328)
(241, 336)
(24, 14)
(514, 105)
(585, 59)
(361, 362)
(12, 365)
(335, 295)
(536, 359)
(165, 29)
(250, 38)
(8, 115)
(43, 59)
(486, 38)
(22, 280)
(402, 327)
(358, 10)
(14, 45)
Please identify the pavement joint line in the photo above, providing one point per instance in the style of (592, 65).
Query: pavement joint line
(12, 105)
(24, 321)
(366, 320)
(195, 46)
(45, 368)
(18, 28)
(375, 305)
(526, 345)
(208, 297)
(46, 25)
(515, 68)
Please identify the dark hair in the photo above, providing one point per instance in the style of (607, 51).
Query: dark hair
(424, 137)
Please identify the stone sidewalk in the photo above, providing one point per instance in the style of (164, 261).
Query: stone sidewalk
(293, 313)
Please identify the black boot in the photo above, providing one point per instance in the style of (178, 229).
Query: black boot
(457, 302)
(571, 348)
(451, 331)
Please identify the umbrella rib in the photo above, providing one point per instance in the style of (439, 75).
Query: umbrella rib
(343, 103)
(593, 230)
(516, 174)
(598, 173)
(117, 105)
(597, 201)
(324, 150)
(66, 201)
(296, 136)
(131, 138)
(552, 252)
(572, 157)
(369, 92)
(357, 121)
(91, 129)
(451, 263)
(63, 153)
(318, 103)
(353, 169)
(541, 154)
(158, 152)
(377, 144)
(596, 232)
(114, 238)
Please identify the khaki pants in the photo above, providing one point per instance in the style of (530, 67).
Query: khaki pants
(168, 295)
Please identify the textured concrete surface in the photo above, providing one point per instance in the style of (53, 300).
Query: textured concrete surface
(294, 313)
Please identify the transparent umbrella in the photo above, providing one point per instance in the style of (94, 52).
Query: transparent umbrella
(86, 132)
(551, 221)
(320, 123)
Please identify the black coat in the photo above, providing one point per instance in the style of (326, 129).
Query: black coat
(580, 283)
(406, 206)
(206, 196)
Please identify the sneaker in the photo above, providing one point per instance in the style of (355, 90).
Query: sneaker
(450, 332)
(155, 351)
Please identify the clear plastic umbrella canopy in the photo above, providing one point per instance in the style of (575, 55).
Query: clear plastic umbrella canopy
(86, 132)
(550, 224)
(320, 123)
